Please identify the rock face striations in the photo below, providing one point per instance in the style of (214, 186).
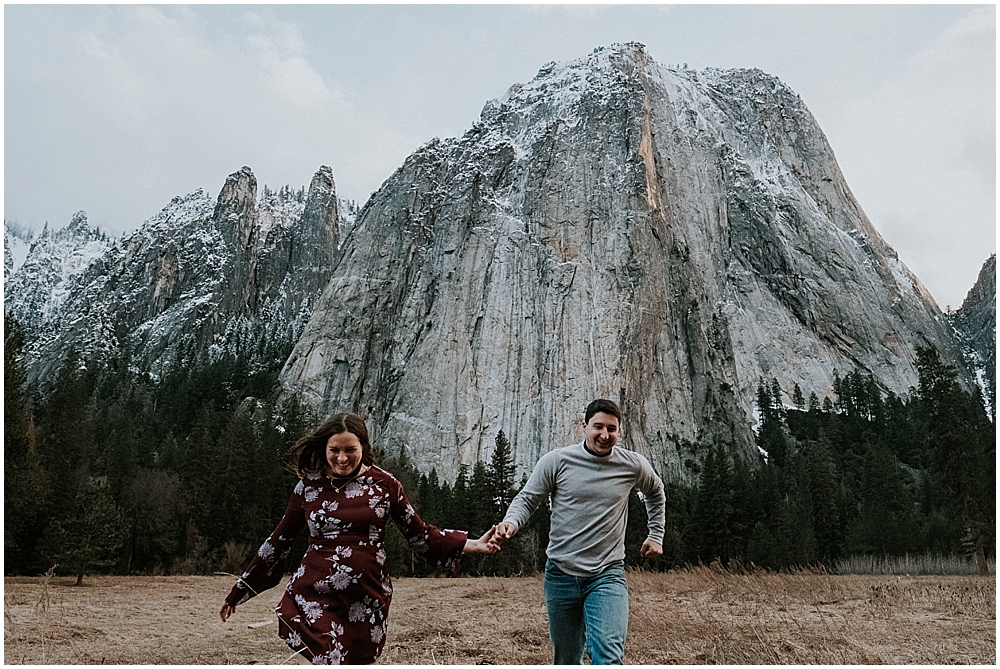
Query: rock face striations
(976, 324)
(614, 228)
(240, 274)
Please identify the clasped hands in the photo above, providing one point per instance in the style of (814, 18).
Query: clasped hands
(492, 541)
(484, 544)
(498, 534)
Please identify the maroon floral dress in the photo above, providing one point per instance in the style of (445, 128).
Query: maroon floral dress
(336, 605)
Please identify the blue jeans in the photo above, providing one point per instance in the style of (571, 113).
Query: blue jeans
(591, 610)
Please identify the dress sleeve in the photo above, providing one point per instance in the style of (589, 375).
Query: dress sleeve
(440, 548)
(267, 567)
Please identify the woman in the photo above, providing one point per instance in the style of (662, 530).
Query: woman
(336, 604)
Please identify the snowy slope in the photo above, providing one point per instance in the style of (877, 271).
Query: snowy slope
(236, 275)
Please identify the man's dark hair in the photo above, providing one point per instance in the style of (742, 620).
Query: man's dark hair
(598, 406)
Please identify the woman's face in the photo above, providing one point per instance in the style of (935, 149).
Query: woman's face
(343, 453)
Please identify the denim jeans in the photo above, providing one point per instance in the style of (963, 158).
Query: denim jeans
(591, 610)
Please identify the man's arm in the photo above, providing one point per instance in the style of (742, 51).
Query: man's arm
(539, 486)
(655, 498)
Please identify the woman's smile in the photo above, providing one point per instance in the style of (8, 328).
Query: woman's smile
(343, 453)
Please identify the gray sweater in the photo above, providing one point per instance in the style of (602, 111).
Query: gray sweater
(589, 495)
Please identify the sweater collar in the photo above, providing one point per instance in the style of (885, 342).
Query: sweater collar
(597, 455)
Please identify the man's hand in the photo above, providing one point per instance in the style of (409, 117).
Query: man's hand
(651, 549)
(504, 531)
(484, 544)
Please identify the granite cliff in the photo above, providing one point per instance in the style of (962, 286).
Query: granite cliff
(976, 324)
(617, 228)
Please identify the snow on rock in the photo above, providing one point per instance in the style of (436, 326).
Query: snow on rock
(616, 228)
(975, 323)
(236, 275)
(36, 289)
(16, 244)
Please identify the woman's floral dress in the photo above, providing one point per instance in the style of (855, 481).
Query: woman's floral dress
(336, 605)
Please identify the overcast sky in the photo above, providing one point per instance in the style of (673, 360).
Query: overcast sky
(115, 109)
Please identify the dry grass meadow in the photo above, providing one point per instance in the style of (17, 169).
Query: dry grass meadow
(695, 616)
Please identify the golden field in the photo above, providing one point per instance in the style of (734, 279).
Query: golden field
(692, 616)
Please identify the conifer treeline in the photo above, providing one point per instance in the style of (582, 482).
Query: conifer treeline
(114, 471)
(868, 473)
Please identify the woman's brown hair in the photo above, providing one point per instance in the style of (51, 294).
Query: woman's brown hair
(309, 453)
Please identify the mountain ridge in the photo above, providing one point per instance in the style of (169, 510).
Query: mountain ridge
(609, 182)
(197, 278)
(661, 236)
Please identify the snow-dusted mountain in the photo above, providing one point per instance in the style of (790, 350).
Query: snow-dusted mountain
(37, 281)
(976, 324)
(238, 274)
(16, 245)
(615, 228)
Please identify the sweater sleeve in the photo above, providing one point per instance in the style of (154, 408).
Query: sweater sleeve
(268, 566)
(440, 548)
(540, 485)
(655, 498)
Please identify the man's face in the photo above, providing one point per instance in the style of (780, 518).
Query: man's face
(601, 432)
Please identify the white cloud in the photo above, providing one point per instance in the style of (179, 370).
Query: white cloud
(284, 65)
(151, 102)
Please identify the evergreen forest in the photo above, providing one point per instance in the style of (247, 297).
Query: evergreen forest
(114, 471)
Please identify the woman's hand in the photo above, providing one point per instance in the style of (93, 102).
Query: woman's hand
(483, 544)
(226, 611)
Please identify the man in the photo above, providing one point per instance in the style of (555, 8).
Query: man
(589, 485)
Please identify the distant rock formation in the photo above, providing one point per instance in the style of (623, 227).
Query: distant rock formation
(35, 290)
(976, 323)
(239, 275)
(613, 228)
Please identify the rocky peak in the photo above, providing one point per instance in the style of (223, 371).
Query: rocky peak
(16, 244)
(614, 228)
(51, 268)
(976, 323)
(78, 225)
(239, 275)
(234, 211)
(320, 217)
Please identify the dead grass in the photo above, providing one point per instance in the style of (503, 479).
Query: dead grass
(709, 616)
(681, 617)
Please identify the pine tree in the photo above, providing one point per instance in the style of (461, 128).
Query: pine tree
(962, 449)
(151, 504)
(481, 512)
(501, 475)
(823, 494)
(88, 535)
(886, 524)
(798, 399)
(66, 434)
(457, 512)
(776, 404)
(767, 545)
(772, 439)
(711, 521)
(22, 496)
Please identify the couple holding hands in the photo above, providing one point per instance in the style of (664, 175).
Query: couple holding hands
(336, 604)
